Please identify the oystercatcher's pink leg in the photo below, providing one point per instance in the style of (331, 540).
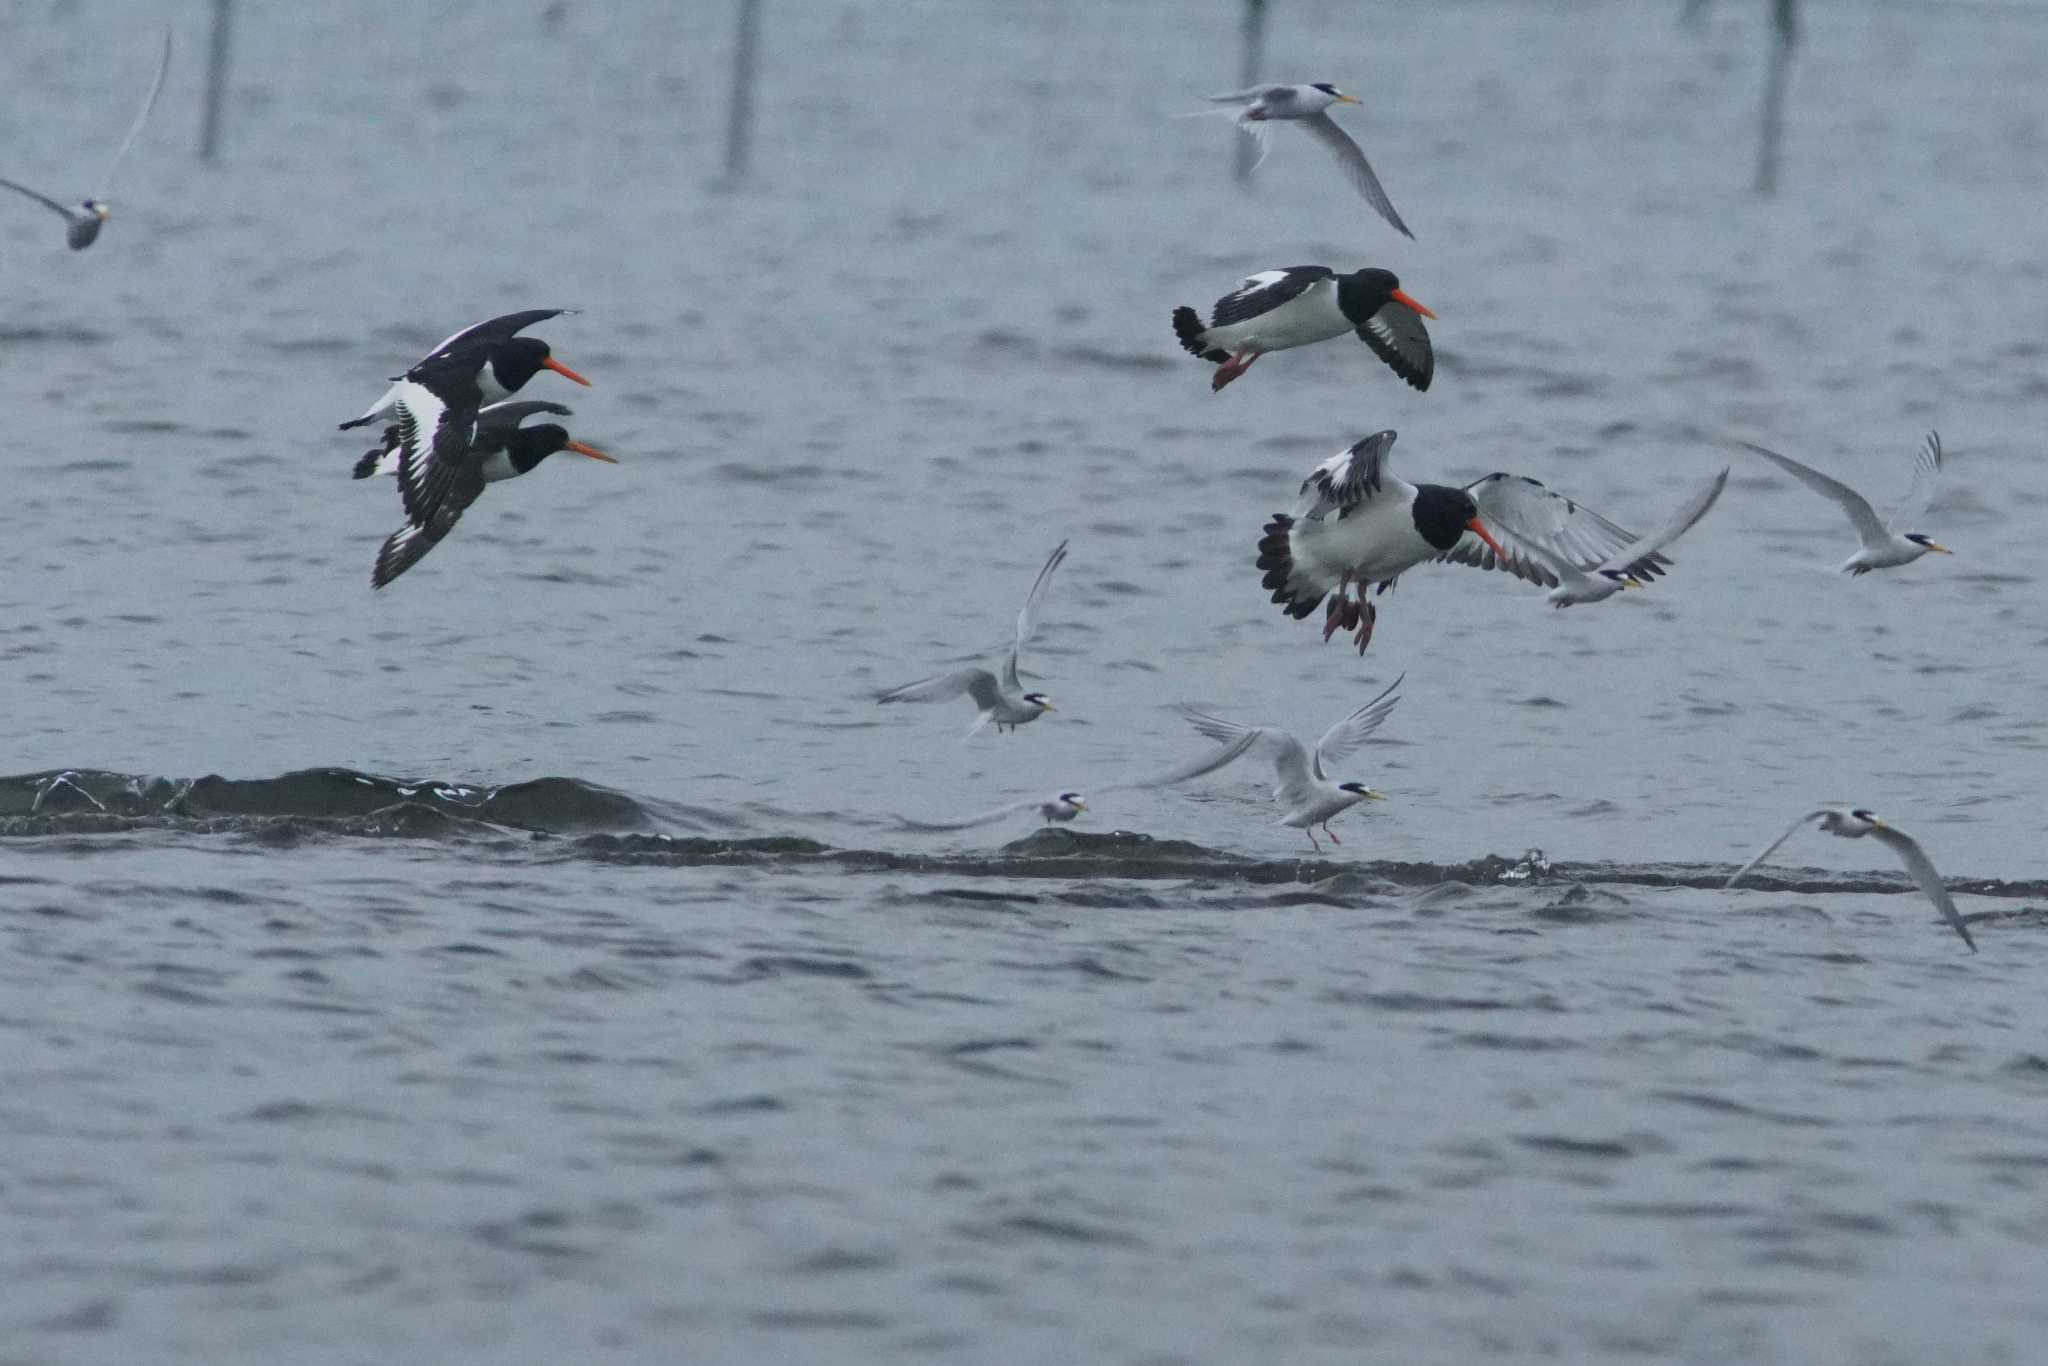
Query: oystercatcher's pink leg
(1231, 369)
(1370, 615)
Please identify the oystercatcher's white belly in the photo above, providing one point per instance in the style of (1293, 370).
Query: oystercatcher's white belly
(1310, 316)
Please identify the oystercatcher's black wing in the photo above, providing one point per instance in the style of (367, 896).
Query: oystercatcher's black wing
(1265, 291)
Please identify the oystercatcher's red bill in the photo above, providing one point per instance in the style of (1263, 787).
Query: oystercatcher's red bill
(1402, 296)
(595, 454)
(566, 373)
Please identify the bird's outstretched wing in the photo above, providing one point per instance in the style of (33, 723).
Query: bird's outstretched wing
(434, 440)
(1680, 522)
(1531, 515)
(1290, 759)
(979, 684)
(1922, 869)
(1864, 517)
(156, 88)
(43, 199)
(1348, 734)
(1027, 615)
(981, 818)
(1192, 769)
(1919, 493)
(1356, 168)
(1348, 478)
(1772, 847)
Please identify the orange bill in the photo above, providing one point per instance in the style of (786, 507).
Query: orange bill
(1349, 99)
(552, 364)
(1478, 529)
(1399, 296)
(593, 452)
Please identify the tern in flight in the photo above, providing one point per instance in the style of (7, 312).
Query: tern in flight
(82, 224)
(1002, 701)
(1886, 545)
(1854, 825)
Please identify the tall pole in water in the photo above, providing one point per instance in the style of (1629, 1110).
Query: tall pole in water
(739, 127)
(216, 77)
(1771, 135)
(1248, 75)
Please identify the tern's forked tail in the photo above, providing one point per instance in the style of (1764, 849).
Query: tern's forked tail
(1276, 557)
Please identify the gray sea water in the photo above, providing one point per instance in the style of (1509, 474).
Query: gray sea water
(526, 964)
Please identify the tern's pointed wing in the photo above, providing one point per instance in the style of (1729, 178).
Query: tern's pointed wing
(1922, 868)
(42, 199)
(982, 818)
(1348, 734)
(1027, 615)
(979, 684)
(1680, 522)
(1531, 515)
(1261, 133)
(1356, 168)
(1249, 95)
(1926, 469)
(156, 87)
(1864, 517)
(1194, 768)
(1290, 760)
(1772, 847)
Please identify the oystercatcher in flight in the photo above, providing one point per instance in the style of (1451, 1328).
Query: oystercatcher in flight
(1359, 523)
(484, 363)
(1274, 310)
(447, 455)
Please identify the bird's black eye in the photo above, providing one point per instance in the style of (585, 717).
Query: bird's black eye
(1865, 816)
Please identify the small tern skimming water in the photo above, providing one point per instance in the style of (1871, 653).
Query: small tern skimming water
(1854, 825)
(1304, 787)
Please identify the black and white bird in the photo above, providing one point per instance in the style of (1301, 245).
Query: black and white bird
(1257, 109)
(1002, 702)
(1610, 576)
(1305, 787)
(1358, 523)
(484, 363)
(1276, 310)
(447, 455)
(82, 224)
(1885, 545)
(1855, 824)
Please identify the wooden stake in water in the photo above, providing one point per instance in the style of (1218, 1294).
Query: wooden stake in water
(1254, 32)
(216, 77)
(739, 127)
(1771, 135)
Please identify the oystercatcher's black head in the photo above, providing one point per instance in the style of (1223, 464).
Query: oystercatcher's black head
(529, 446)
(519, 359)
(1365, 292)
(1442, 513)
